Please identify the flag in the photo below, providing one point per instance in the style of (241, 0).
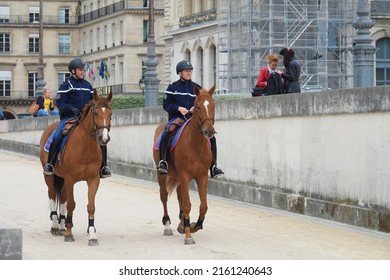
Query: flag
(89, 72)
(103, 71)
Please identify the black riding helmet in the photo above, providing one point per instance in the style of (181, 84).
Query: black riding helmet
(182, 65)
(76, 63)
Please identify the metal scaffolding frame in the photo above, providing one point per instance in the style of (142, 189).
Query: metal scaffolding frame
(319, 31)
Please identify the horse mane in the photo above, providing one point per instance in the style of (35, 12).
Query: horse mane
(103, 102)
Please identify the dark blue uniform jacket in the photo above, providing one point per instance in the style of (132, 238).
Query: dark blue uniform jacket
(179, 94)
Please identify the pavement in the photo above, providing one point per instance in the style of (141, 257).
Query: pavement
(128, 224)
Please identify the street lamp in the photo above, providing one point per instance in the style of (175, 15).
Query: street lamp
(141, 84)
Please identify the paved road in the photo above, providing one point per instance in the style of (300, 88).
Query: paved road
(128, 223)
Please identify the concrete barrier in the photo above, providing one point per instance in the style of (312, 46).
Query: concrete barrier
(324, 154)
(10, 242)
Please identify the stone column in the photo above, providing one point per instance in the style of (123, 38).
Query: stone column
(41, 77)
(363, 51)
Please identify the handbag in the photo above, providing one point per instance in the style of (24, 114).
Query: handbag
(257, 91)
(33, 109)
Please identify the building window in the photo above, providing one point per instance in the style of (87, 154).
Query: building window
(33, 43)
(33, 14)
(62, 77)
(64, 43)
(4, 43)
(32, 80)
(4, 14)
(5, 83)
(146, 30)
(113, 34)
(64, 15)
(105, 36)
(383, 62)
(145, 3)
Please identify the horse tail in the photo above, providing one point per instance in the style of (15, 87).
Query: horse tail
(58, 186)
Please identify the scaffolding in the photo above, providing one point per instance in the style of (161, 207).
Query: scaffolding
(319, 31)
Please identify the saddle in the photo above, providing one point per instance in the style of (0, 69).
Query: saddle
(70, 124)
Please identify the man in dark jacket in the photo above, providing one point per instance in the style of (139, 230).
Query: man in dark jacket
(71, 98)
(179, 101)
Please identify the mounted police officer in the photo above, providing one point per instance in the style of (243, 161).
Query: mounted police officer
(71, 98)
(179, 101)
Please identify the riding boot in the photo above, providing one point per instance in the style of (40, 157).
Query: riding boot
(105, 171)
(214, 168)
(163, 150)
(48, 168)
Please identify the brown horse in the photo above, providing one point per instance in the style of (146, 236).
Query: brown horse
(190, 159)
(80, 161)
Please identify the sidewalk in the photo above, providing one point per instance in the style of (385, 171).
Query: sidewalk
(128, 224)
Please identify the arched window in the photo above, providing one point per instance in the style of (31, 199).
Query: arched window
(383, 62)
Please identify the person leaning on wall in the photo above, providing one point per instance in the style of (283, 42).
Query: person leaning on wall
(269, 80)
(46, 105)
(292, 71)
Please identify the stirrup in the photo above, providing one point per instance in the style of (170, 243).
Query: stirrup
(215, 171)
(105, 172)
(48, 169)
(162, 167)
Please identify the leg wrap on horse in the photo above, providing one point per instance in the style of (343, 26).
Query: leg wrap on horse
(166, 219)
(91, 223)
(62, 217)
(69, 220)
(52, 213)
(186, 222)
(180, 214)
(199, 224)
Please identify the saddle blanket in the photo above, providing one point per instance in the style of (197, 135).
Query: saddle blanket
(175, 138)
(50, 140)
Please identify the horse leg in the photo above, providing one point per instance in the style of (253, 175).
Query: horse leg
(202, 190)
(180, 226)
(186, 207)
(70, 205)
(54, 230)
(93, 186)
(61, 220)
(166, 220)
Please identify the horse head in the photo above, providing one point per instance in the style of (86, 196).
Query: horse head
(101, 117)
(204, 110)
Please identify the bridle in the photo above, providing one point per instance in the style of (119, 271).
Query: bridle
(200, 121)
(95, 126)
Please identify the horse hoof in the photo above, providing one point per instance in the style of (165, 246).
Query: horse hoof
(189, 241)
(93, 242)
(61, 232)
(194, 228)
(69, 238)
(54, 231)
(168, 232)
(180, 229)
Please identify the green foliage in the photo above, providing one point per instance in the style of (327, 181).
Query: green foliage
(130, 101)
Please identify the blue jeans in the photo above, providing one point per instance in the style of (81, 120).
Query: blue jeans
(44, 113)
(58, 134)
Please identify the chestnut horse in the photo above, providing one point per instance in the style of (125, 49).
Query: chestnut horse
(190, 159)
(81, 161)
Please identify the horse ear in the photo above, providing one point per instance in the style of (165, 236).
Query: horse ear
(109, 97)
(95, 95)
(196, 89)
(212, 90)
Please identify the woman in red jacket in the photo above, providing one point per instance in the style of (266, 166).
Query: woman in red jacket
(269, 80)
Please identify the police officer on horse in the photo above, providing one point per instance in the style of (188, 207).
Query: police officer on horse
(179, 101)
(71, 98)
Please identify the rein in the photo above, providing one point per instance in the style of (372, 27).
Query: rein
(95, 128)
(200, 122)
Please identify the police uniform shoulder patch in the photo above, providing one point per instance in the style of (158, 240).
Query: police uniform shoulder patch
(58, 96)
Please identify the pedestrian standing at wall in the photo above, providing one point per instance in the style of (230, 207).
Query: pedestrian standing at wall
(46, 104)
(292, 71)
(269, 80)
